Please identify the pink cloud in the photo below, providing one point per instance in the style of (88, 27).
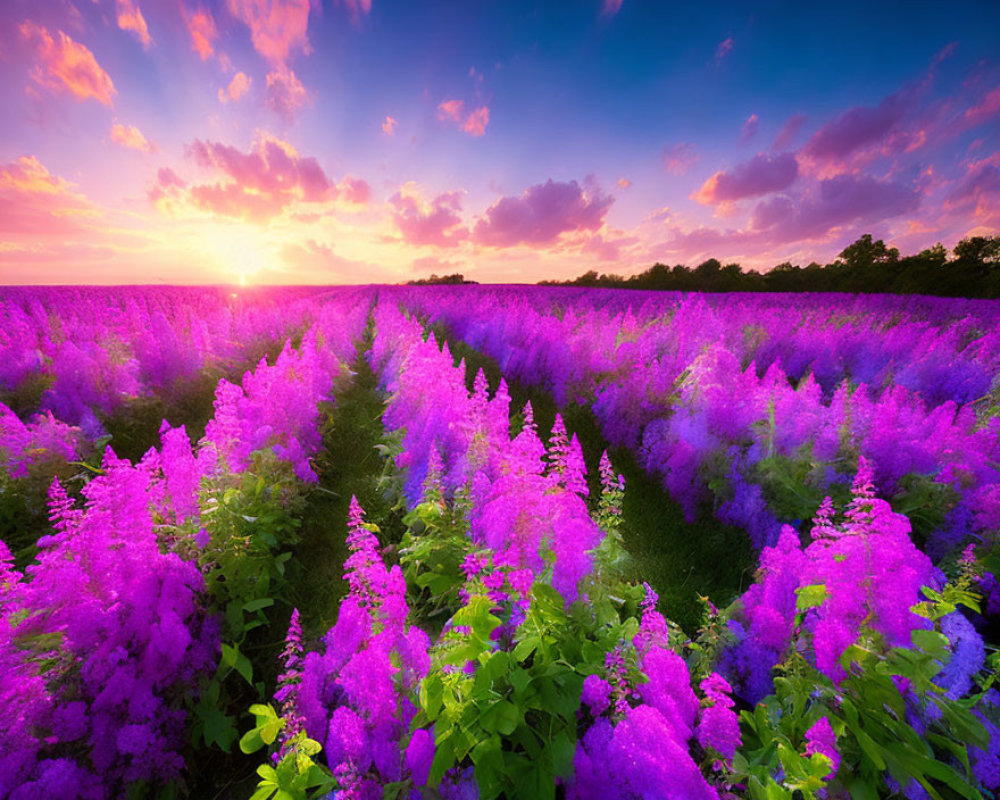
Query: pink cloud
(624, 183)
(130, 19)
(762, 174)
(285, 93)
(257, 185)
(838, 201)
(201, 27)
(238, 86)
(724, 48)
(167, 178)
(977, 194)
(474, 123)
(451, 109)
(34, 202)
(749, 129)
(607, 248)
(611, 7)
(541, 214)
(989, 106)
(355, 191)
(277, 27)
(389, 126)
(437, 224)
(67, 65)
(233, 200)
(788, 132)
(271, 166)
(857, 127)
(356, 8)
(679, 157)
(131, 137)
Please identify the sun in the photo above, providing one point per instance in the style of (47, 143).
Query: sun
(241, 251)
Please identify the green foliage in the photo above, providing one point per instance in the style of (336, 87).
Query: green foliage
(251, 522)
(872, 720)
(433, 548)
(296, 776)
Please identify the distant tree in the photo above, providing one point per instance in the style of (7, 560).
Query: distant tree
(865, 253)
(979, 249)
(446, 280)
(936, 255)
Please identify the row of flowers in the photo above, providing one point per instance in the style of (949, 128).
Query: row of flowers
(117, 642)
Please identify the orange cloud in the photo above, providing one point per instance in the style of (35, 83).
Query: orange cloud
(474, 123)
(389, 126)
(67, 66)
(130, 19)
(201, 27)
(34, 202)
(285, 93)
(131, 137)
(624, 183)
(277, 27)
(238, 86)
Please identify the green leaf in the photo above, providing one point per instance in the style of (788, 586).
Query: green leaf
(234, 659)
(258, 604)
(431, 691)
(219, 729)
(810, 596)
(251, 741)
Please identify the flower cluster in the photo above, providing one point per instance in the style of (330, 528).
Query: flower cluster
(352, 696)
(102, 642)
(638, 744)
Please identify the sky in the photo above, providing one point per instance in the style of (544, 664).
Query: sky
(361, 141)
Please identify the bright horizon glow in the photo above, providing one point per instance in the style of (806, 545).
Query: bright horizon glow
(341, 142)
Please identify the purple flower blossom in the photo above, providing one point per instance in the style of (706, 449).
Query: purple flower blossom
(820, 738)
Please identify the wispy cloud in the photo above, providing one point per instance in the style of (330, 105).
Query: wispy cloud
(67, 66)
(130, 19)
(749, 129)
(285, 93)
(277, 27)
(677, 158)
(611, 7)
(473, 123)
(201, 27)
(238, 86)
(723, 49)
(129, 136)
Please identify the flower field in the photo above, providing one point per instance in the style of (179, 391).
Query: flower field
(484, 542)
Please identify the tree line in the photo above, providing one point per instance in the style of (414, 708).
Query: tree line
(864, 266)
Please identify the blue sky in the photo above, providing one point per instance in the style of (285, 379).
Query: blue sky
(293, 141)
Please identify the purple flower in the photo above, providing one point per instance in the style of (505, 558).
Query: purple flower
(820, 738)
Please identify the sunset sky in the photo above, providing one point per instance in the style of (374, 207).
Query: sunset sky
(359, 141)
